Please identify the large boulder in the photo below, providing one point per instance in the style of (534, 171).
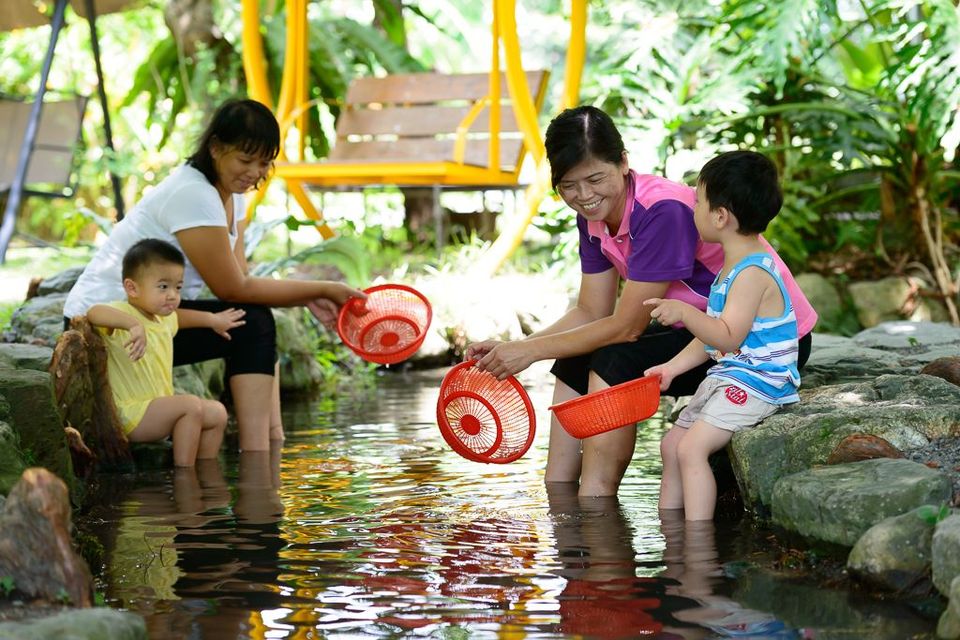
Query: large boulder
(825, 298)
(840, 503)
(906, 411)
(895, 553)
(946, 553)
(894, 298)
(11, 460)
(38, 321)
(83, 624)
(36, 550)
(34, 417)
(299, 370)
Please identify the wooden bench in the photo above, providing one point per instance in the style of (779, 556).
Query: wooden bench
(419, 129)
(423, 129)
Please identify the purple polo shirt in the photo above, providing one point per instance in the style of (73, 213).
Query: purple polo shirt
(658, 242)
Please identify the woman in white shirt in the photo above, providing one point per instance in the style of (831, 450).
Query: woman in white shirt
(197, 208)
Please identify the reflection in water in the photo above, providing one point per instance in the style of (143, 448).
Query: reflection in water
(603, 596)
(367, 525)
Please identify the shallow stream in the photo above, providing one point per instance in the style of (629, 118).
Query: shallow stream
(366, 524)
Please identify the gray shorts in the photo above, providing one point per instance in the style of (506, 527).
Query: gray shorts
(724, 405)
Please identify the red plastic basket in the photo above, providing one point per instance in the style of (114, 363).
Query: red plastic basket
(616, 406)
(482, 418)
(389, 326)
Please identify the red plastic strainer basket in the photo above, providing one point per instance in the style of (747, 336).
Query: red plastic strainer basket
(389, 326)
(482, 418)
(616, 406)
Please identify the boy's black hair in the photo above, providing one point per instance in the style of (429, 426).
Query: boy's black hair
(148, 252)
(245, 124)
(579, 134)
(744, 183)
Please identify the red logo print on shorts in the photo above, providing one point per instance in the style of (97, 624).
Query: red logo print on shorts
(736, 395)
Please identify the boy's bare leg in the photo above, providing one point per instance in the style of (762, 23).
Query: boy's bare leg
(276, 419)
(605, 456)
(671, 484)
(214, 424)
(563, 457)
(252, 400)
(699, 485)
(178, 416)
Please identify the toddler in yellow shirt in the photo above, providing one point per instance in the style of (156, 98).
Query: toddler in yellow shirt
(139, 338)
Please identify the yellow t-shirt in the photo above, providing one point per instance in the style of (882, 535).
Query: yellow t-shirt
(136, 384)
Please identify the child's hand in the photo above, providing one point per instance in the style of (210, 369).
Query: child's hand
(227, 319)
(666, 374)
(667, 311)
(137, 344)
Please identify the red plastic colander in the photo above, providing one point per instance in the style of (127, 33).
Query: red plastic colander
(482, 418)
(389, 326)
(616, 406)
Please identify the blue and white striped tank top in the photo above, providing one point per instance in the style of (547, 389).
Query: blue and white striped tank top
(766, 362)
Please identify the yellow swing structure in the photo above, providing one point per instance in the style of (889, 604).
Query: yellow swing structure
(420, 129)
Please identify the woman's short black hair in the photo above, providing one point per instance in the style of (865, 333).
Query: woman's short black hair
(745, 183)
(245, 124)
(578, 134)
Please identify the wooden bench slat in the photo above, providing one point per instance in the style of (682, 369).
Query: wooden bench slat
(418, 121)
(424, 150)
(428, 88)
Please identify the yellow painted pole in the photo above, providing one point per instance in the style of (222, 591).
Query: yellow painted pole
(508, 241)
(493, 150)
(258, 87)
(576, 54)
(523, 105)
(303, 70)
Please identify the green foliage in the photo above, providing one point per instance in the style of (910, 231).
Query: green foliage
(343, 252)
(7, 585)
(932, 514)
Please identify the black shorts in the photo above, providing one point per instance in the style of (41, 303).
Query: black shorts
(251, 349)
(617, 363)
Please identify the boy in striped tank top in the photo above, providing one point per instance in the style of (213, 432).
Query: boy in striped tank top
(749, 330)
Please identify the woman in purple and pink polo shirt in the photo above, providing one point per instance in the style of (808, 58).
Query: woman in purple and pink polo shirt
(638, 228)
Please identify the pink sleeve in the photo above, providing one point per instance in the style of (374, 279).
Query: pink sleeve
(806, 315)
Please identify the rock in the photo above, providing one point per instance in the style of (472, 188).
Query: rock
(82, 624)
(892, 299)
(840, 503)
(895, 553)
(846, 362)
(36, 550)
(948, 626)
(34, 417)
(11, 460)
(59, 282)
(823, 295)
(26, 356)
(906, 411)
(947, 368)
(946, 553)
(862, 446)
(38, 321)
(299, 370)
(909, 337)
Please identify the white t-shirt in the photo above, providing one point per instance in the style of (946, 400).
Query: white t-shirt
(184, 200)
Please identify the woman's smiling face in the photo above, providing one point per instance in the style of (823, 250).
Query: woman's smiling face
(238, 171)
(596, 189)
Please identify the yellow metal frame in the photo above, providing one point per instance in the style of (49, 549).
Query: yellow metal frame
(293, 102)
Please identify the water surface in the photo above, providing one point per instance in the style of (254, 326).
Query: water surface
(366, 525)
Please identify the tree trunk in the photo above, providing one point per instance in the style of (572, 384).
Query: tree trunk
(191, 23)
